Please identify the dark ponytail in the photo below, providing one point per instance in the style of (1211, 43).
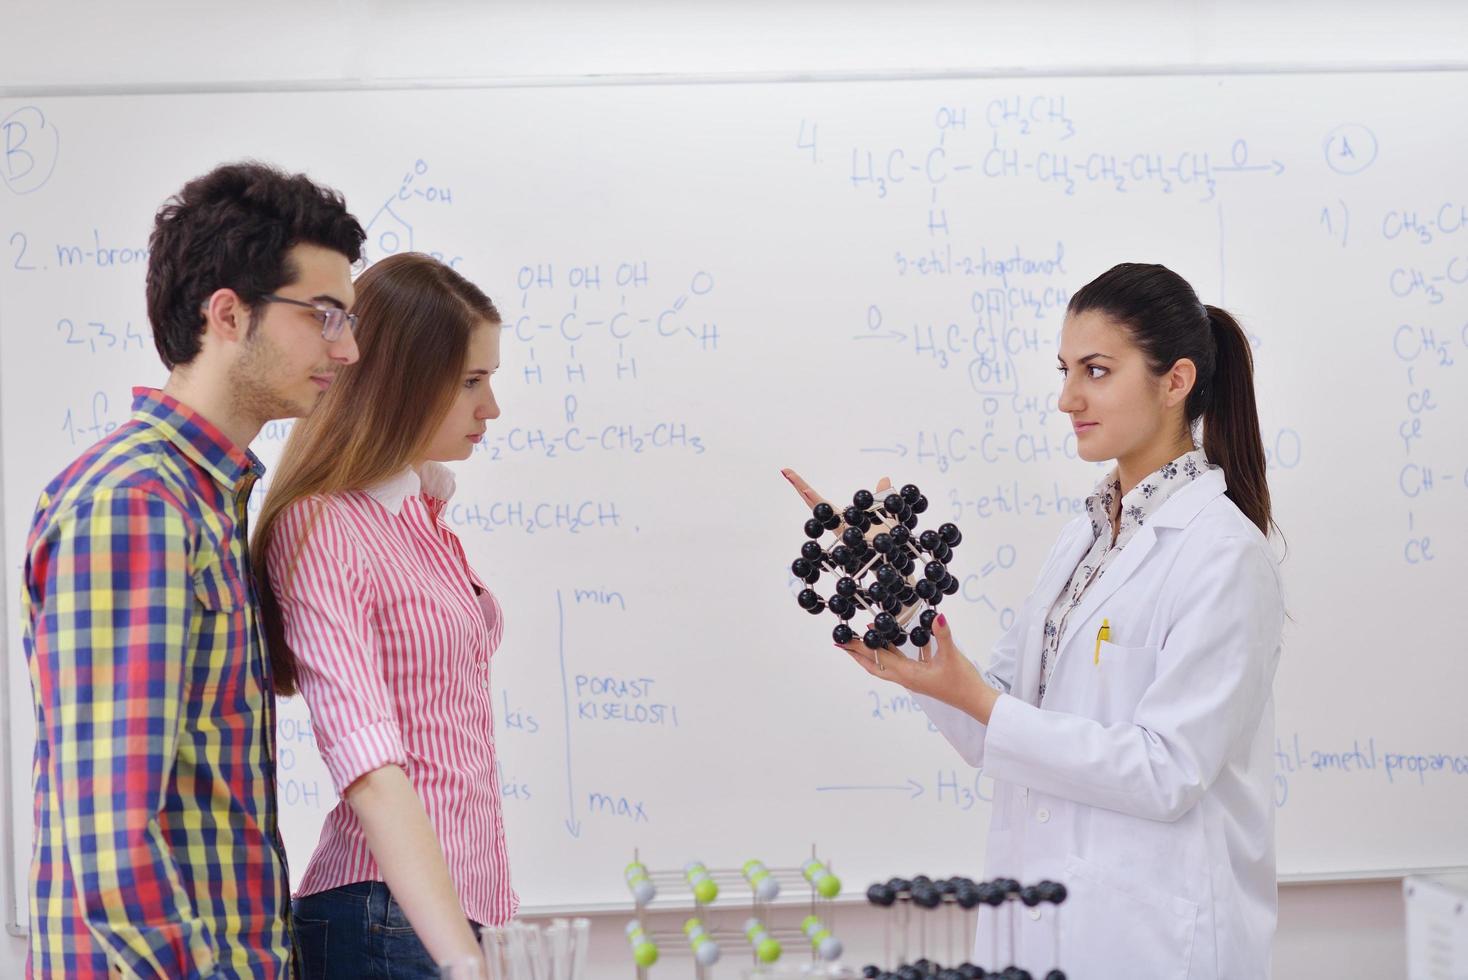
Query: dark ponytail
(1168, 323)
(1231, 420)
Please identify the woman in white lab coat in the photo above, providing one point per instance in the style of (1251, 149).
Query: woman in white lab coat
(1127, 718)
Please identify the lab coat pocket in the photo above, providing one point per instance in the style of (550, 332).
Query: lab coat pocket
(1113, 924)
(1121, 676)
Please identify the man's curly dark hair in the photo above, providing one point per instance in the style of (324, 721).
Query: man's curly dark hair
(231, 229)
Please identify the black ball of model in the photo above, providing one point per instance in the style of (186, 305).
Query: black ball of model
(926, 896)
(881, 894)
(1051, 891)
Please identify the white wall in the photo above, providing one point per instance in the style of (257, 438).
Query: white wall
(1342, 930)
(156, 42)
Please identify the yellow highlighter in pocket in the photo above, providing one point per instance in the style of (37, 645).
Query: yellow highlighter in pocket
(1103, 635)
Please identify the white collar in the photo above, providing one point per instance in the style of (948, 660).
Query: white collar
(435, 479)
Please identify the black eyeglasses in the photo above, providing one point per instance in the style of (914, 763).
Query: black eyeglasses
(334, 319)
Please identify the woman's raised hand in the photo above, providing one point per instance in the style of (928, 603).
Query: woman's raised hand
(812, 498)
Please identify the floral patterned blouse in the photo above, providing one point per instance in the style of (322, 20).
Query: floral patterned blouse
(1133, 509)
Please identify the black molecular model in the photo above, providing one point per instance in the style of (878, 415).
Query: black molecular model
(883, 566)
(998, 899)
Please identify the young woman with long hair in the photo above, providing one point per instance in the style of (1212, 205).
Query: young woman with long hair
(1127, 718)
(376, 617)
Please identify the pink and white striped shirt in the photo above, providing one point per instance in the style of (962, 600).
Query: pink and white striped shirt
(393, 633)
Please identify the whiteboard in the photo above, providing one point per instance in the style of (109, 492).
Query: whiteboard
(704, 283)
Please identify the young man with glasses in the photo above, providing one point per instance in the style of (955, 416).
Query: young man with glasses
(157, 852)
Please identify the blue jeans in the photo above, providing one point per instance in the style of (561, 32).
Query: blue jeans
(358, 932)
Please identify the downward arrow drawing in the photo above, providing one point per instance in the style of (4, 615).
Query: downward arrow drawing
(573, 826)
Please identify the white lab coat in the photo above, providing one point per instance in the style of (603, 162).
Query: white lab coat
(1145, 783)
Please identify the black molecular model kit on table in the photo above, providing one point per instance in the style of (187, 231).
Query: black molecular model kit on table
(957, 907)
(882, 565)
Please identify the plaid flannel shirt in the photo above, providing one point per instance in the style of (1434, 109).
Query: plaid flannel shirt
(156, 845)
